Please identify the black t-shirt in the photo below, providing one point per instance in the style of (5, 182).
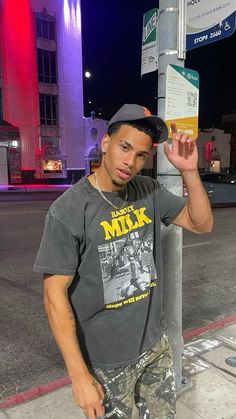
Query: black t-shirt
(115, 257)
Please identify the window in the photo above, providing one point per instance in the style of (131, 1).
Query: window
(45, 28)
(1, 107)
(52, 142)
(47, 72)
(48, 109)
(52, 166)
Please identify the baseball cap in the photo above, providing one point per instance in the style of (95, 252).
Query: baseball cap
(132, 112)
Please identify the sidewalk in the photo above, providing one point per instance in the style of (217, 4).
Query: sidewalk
(209, 365)
(13, 189)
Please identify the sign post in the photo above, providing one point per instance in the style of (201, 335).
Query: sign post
(182, 98)
(150, 42)
(171, 17)
(209, 21)
(178, 96)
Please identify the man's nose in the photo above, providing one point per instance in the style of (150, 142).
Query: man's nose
(129, 160)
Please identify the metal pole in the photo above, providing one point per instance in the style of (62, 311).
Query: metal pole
(172, 51)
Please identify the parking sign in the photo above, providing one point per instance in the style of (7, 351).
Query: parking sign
(209, 21)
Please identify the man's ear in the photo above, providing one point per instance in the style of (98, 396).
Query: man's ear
(105, 143)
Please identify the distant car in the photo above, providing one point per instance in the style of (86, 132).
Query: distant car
(220, 188)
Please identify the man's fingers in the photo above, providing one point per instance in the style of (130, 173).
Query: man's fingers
(183, 138)
(173, 127)
(99, 389)
(166, 148)
(90, 413)
(94, 411)
(179, 135)
(191, 142)
(100, 411)
(101, 392)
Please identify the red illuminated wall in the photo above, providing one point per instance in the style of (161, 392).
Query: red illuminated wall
(19, 74)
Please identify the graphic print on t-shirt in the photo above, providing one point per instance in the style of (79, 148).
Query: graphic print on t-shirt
(127, 268)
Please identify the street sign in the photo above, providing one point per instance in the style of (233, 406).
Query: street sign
(182, 98)
(209, 21)
(150, 42)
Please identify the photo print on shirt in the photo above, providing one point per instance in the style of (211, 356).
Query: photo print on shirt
(128, 270)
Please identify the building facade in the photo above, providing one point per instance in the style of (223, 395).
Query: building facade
(229, 125)
(214, 150)
(41, 86)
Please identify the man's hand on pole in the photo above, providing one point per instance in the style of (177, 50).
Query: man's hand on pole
(196, 216)
(183, 154)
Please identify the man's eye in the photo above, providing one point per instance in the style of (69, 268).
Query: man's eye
(124, 147)
(142, 156)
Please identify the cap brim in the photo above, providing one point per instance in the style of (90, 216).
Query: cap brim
(156, 123)
(160, 126)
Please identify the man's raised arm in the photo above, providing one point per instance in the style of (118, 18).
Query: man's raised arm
(196, 216)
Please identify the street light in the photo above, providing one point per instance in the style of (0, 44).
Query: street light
(87, 74)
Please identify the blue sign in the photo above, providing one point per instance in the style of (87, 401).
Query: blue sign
(219, 31)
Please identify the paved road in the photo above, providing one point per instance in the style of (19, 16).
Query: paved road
(29, 355)
(209, 271)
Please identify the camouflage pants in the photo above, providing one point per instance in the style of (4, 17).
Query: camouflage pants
(149, 384)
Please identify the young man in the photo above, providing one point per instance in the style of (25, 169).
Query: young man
(101, 258)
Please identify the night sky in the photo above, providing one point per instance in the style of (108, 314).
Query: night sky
(112, 36)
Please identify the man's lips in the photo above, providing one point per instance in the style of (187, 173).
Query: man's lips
(123, 174)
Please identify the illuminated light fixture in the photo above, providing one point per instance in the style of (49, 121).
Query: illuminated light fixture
(14, 143)
(72, 14)
(66, 13)
(87, 74)
(52, 166)
(78, 16)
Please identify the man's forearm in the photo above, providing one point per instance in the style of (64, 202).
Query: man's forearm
(198, 205)
(62, 324)
(87, 391)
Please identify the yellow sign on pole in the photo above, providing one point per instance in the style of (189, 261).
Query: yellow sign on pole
(182, 99)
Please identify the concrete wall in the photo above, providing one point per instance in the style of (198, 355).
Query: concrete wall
(90, 137)
(70, 76)
(70, 81)
(94, 129)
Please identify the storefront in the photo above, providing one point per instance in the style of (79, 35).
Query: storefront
(50, 164)
(93, 158)
(10, 154)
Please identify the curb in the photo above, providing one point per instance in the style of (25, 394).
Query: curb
(210, 326)
(40, 390)
(30, 394)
